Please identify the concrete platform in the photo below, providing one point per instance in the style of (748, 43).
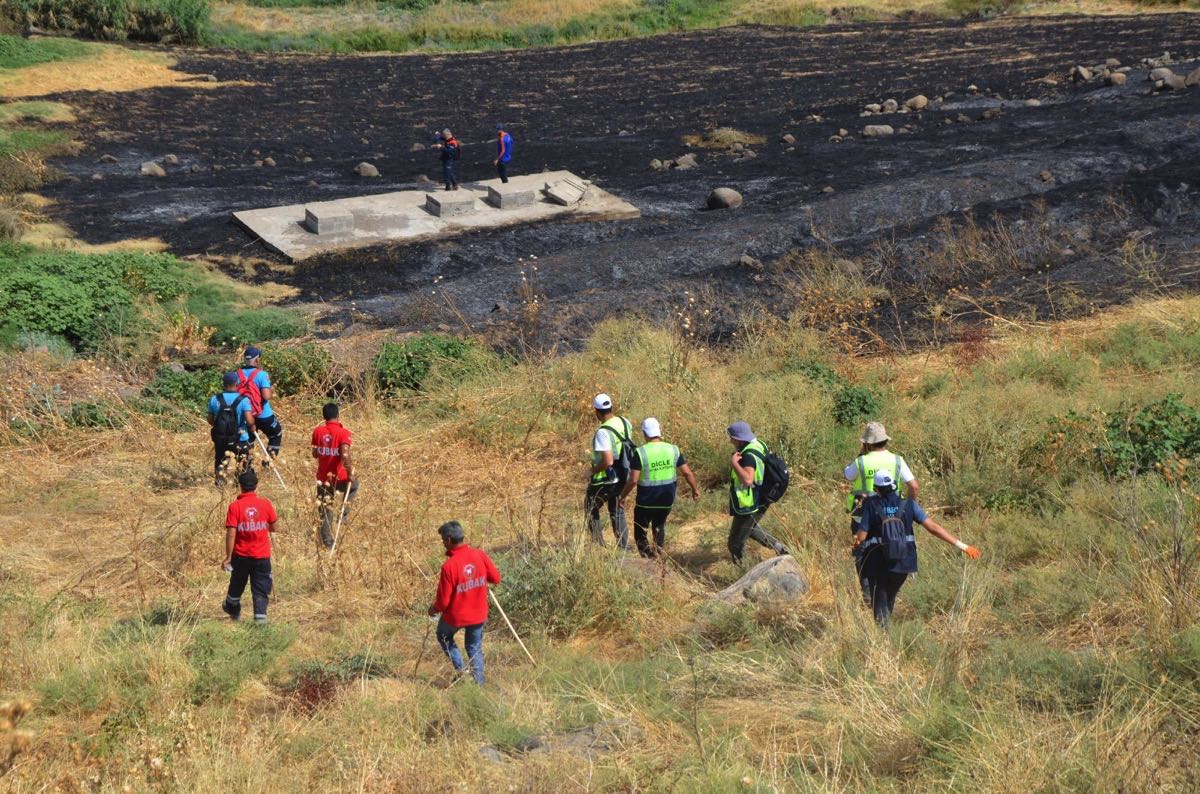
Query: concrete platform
(402, 216)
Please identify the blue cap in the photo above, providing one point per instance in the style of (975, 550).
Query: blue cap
(740, 431)
(252, 352)
(499, 127)
(229, 379)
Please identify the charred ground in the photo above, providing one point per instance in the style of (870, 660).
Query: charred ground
(1117, 214)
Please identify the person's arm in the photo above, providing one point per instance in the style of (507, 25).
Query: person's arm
(602, 444)
(211, 415)
(913, 487)
(267, 392)
(230, 536)
(634, 476)
(344, 449)
(249, 417)
(444, 589)
(937, 531)
(686, 471)
(493, 573)
(744, 473)
(271, 526)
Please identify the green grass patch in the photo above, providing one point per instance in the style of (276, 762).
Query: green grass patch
(40, 142)
(172, 21)
(34, 111)
(223, 656)
(17, 52)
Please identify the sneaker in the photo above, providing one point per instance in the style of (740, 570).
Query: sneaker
(234, 611)
(781, 550)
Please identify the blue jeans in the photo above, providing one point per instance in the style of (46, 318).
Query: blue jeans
(472, 639)
(448, 174)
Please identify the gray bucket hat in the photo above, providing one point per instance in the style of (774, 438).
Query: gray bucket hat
(740, 431)
(875, 433)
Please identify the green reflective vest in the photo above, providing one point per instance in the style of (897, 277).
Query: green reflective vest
(867, 465)
(743, 499)
(617, 427)
(659, 463)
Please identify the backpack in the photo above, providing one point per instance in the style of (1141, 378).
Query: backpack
(895, 536)
(623, 463)
(776, 477)
(249, 389)
(225, 427)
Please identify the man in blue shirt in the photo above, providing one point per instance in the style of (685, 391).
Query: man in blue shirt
(888, 546)
(655, 468)
(232, 422)
(255, 384)
(504, 149)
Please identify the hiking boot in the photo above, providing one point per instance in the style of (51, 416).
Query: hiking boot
(234, 611)
(781, 550)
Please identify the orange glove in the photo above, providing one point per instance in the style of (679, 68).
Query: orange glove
(971, 552)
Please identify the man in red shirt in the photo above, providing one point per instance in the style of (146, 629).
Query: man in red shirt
(249, 523)
(331, 448)
(462, 598)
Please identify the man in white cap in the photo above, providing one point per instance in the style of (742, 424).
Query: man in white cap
(612, 448)
(873, 457)
(655, 470)
(748, 465)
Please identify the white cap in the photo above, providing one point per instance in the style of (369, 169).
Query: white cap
(884, 480)
(650, 428)
(602, 402)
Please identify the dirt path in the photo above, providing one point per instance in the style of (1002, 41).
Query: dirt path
(605, 110)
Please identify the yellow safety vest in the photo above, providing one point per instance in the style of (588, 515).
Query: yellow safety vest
(617, 427)
(867, 465)
(743, 499)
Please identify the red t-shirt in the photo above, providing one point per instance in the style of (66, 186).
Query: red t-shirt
(327, 440)
(462, 596)
(251, 515)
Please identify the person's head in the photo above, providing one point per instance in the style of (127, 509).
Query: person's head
(875, 436)
(651, 429)
(229, 381)
(248, 481)
(884, 484)
(499, 129)
(252, 355)
(740, 434)
(330, 411)
(603, 405)
(446, 134)
(452, 534)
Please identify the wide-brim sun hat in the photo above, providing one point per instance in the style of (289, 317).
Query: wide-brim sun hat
(874, 433)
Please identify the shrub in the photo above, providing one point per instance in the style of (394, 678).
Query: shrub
(239, 327)
(1181, 658)
(97, 414)
(53, 344)
(181, 21)
(408, 366)
(852, 404)
(298, 369)
(1138, 441)
(11, 225)
(188, 389)
(223, 656)
(1044, 678)
(721, 625)
(17, 52)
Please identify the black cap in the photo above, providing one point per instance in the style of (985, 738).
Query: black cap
(229, 379)
(452, 531)
(248, 480)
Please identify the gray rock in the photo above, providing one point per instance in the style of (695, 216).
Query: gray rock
(919, 102)
(195, 169)
(772, 581)
(685, 162)
(210, 78)
(417, 147)
(366, 170)
(878, 131)
(1033, 103)
(107, 158)
(656, 165)
(490, 753)
(423, 179)
(171, 159)
(737, 147)
(1174, 82)
(963, 118)
(306, 159)
(788, 139)
(991, 113)
(1045, 176)
(269, 162)
(499, 307)
(1193, 77)
(749, 154)
(874, 107)
(532, 744)
(723, 198)
(177, 368)
(827, 189)
(1081, 74)
(845, 133)
(97, 177)
(890, 106)
(258, 163)
(152, 168)
(1112, 63)
(745, 260)
(1159, 74)
(1115, 78)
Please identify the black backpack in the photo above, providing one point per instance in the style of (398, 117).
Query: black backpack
(623, 463)
(225, 428)
(776, 477)
(896, 536)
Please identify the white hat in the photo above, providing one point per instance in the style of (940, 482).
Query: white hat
(602, 402)
(884, 480)
(650, 428)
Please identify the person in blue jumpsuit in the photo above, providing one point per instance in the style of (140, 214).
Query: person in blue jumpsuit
(504, 150)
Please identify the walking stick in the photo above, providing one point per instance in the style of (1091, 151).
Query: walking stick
(341, 515)
(424, 644)
(508, 622)
(270, 460)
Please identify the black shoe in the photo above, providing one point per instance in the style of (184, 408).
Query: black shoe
(234, 611)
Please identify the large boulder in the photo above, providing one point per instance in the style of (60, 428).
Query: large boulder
(919, 102)
(1193, 77)
(1161, 73)
(152, 168)
(366, 170)
(878, 131)
(1081, 74)
(772, 581)
(724, 198)
(1116, 78)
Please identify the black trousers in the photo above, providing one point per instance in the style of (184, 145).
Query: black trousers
(647, 520)
(271, 428)
(229, 457)
(258, 573)
(329, 510)
(448, 174)
(606, 496)
(746, 527)
(883, 588)
(502, 170)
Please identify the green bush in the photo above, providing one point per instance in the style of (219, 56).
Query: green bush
(721, 625)
(97, 414)
(407, 366)
(1149, 347)
(1136, 441)
(1058, 370)
(17, 52)
(188, 389)
(298, 369)
(246, 326)
(564, 590)
(1181, 658)
(222, 656)
(55, 345)
(854, 404)
(179, 21)
(1044, 678)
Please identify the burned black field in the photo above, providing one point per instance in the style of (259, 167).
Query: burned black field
(985, 205)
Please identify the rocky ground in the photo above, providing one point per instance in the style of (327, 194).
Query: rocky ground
(1094, 175)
